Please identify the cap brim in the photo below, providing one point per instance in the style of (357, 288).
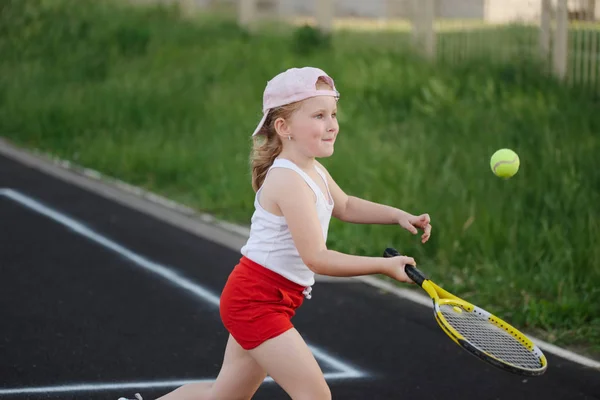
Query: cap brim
(260, 124)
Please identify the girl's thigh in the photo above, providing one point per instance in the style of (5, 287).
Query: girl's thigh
(240, 375)
(291, 364)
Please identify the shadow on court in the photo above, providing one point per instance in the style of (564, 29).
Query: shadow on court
(98, 300)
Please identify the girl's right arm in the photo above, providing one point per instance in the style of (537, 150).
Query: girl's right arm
(296, 202)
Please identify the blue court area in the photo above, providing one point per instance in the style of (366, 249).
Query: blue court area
(98, 300)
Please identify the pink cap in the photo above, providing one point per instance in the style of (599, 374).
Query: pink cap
(293, 85)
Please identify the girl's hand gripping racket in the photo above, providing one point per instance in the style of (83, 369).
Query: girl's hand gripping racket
(479, 332)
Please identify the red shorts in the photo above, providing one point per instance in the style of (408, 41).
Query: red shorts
(258, 304)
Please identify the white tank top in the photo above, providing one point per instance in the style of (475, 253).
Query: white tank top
(270, 243)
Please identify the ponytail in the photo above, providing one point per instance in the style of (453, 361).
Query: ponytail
(267, 144)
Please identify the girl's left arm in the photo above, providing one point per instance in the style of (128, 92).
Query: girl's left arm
(360, 211)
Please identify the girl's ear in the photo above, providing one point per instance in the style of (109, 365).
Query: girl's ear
(282, 127)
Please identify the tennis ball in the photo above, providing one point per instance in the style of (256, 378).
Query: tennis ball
(505, 163)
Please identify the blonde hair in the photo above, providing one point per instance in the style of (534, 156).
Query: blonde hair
(267, 143)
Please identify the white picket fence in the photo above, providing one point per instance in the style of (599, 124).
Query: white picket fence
(565, 34)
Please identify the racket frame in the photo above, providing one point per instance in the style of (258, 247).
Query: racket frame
(440, 296)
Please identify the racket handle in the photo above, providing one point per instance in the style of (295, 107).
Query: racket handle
(413, 273)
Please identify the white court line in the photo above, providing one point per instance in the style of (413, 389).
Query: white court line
(92, 387)
(345, 371)
(81, 229)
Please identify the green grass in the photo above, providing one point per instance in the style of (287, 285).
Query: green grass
(169, 104)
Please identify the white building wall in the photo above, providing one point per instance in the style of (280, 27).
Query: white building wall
(503, 11)
(388, 8)
(497, 11)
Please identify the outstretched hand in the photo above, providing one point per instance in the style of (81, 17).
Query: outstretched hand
(411, 223)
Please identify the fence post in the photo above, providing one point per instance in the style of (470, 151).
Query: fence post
(324, 9)
(246, 12)
(423, 18)
(545, 29)
(560, 51)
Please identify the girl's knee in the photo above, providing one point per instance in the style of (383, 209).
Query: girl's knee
(321, 393)
(233, 392)
(326, 393)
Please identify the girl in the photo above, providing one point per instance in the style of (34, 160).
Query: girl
(295, 199)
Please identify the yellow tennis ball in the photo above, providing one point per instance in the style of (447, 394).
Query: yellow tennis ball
(505, 163)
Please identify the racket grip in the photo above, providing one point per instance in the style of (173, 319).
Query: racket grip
(413, 273)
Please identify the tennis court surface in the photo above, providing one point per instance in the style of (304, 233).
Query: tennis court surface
(99, 300)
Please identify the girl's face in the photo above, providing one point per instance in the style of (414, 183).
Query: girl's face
(314, 126)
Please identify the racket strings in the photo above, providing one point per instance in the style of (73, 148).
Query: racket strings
(490, 338)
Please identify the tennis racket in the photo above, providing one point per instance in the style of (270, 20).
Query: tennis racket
(477, 331)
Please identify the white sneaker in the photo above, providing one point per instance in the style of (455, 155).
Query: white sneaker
(137, 397)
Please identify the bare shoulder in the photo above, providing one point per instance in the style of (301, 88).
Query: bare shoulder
(283, 179)
(282, 183)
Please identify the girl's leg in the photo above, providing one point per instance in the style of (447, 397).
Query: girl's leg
(289, 361)
(239, 378)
